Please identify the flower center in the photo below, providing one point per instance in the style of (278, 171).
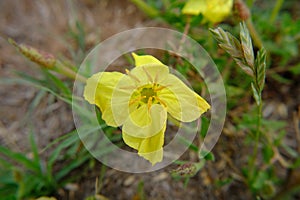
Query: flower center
(147, 93)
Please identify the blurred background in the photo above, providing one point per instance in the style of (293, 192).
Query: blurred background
(68, 29)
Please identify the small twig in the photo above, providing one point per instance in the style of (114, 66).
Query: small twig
(235, 169)
(276, 10)
(276, 157)
(296, 116)
(278, 69)
(255, 36)
(185, 32)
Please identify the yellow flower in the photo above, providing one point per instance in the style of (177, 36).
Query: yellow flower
(213, 10)
(140, 100)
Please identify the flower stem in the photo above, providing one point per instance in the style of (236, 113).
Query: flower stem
(185, 33)
(61, 68)
(150, 11)
(257, 138)
(199, 165)
(258, 124)
(276, 10)
(250, 3)
(255, 36)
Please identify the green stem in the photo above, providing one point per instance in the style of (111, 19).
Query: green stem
(150, 11)
(276, 10)
(200, 164)
(257, 138)
(250, 3)
(258, 124)
(61, 68)
(185, 33)
(288, 190)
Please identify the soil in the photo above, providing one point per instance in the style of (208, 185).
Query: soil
(44, 25)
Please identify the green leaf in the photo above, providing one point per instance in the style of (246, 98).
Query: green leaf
(149, 10)
(204, 126)
(210, 156)
(68, 168)
(290, 151)
(295, 69)
(34, 149)
(20, 158)
(260, 179)
(281, 79)
(267, 153)
(65, 90)
(206, 155)
(71, 140)
(278, 140)
(188, 143)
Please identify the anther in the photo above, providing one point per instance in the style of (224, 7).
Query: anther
(159, 88)
(160, 101)
(149, 103)
(136, 100)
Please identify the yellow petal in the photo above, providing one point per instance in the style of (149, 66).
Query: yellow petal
(46, 198)
(120, 101)
(149, 148)
(144, 122)
(194, 7)
(149, 74)
(213, 10)
(182, 103)
(217, 10)
(98, 90)
(145, 60)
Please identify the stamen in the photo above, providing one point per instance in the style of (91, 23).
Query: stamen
(136, 100)
(149, 102)
(131, 75)
(160, 101)
(148, 75)
(158, 88)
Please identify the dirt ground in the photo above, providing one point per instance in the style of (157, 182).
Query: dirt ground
(44, 24)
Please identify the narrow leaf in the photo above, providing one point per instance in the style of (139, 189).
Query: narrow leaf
(34, 149)
(20, 158)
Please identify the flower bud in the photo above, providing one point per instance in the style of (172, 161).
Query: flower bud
(17, 176)
(188, 169)
(42, 58)
(242, 10)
